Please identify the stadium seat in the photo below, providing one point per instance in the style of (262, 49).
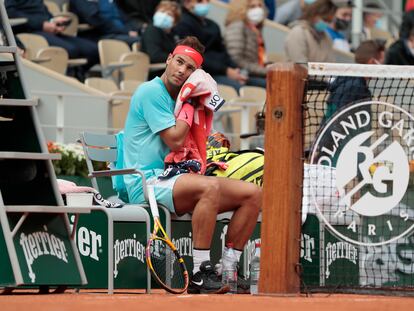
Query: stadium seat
(53, 7)
(34, 43)
(252, 100)
(58, 58)
(140, 66)
(130, 85)
(110, 52)
(227, 119)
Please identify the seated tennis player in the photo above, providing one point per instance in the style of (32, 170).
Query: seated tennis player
(151, 132)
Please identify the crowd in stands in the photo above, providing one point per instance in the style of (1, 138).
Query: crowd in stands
(235, 57)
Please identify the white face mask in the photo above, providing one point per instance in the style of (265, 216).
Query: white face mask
(255, 16)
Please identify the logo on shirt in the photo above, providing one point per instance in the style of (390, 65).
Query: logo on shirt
(370, 144)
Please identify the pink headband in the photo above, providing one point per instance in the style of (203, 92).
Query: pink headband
(190, 52)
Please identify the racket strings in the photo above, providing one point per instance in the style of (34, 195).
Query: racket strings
(166, 265)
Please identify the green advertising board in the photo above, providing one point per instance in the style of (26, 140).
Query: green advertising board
(6, 272)
(181, 236)
(44, 250)
(126, 244)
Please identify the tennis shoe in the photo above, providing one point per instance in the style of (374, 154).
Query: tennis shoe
(206, 281)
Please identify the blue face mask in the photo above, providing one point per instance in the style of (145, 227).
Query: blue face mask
(201, 9)
(321, 26)
(162, 20)
(378, 24)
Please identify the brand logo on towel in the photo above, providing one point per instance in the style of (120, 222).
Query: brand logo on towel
(370, 144)
(41, 243)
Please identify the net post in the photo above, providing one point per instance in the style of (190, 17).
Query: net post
(283, 173)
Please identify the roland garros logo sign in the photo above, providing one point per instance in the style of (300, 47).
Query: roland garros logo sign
(368, 146)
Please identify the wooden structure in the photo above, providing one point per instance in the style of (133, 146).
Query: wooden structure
(280, 231)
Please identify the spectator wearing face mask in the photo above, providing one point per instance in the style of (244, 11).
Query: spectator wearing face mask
(217, 61)
(340, 23)
(244, 40)
(402, 51)
(371, 20)
(158, 39)
(308, 41)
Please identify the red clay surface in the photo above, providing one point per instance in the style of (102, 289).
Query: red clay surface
(134, 301)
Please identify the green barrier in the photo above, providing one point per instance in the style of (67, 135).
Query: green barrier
(111, 244)
(42, 250)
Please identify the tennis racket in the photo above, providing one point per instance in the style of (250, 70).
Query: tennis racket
(163, 259)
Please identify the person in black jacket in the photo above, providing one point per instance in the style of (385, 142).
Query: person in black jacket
(217, 61)
(138, 12)
(402, 51)
(106, 20)
(158, 39)
(347, 90)
(40, 21)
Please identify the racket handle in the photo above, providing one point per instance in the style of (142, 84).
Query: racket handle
(152, 202)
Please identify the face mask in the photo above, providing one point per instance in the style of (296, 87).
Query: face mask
(320, 26)
(378, 24)
(255, 16)
(341, 24)
(201, 9)
(309, 1)
(162, 20)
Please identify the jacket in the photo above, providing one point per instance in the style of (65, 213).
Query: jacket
(102, 15)
(304, 44)
(399, 54)
(34, 10)
(216, 58)
(139, 11)
(346, 90)
(241, 44)
(157, 44)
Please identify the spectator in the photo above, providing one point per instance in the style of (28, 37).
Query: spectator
(138, 12)
(340, 23)
(217, 61)
(345, 90)
(244, 40)
(308, 41)
(401, 52)
(370, 20)
(40, 22)
(105, 19)
(158, 40)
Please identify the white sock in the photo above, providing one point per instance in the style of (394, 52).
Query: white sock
(228, 259)
(199, 255)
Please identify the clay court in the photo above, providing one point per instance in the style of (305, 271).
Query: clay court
(130, 300)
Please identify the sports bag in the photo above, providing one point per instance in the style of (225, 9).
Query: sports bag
(244, 165)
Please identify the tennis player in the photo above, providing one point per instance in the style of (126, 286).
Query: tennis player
(151, 132)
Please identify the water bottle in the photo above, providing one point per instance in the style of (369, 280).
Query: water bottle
(229, 274)
(255, 270)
